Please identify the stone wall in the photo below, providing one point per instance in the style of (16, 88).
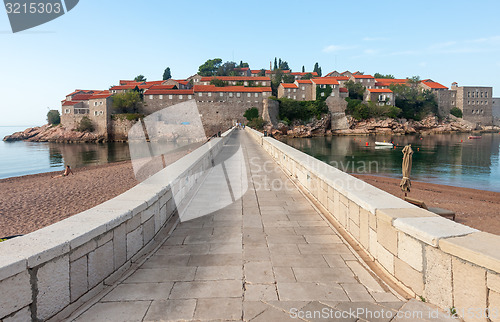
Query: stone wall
(119, 128)
(446, 263)
(51, 272)
(270, 111)
(496, 111)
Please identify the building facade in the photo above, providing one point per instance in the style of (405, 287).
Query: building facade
(475, 102)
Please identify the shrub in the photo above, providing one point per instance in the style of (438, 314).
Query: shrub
(456, 112)
(53, 117)
(361, 111)
(257, 123)
(217, 82)
(301, 110)
(127, 102)
(85, 125)
(251, 113)
(127, 116)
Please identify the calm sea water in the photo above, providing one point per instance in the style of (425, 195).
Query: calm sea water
(22, 158)
(450, 159)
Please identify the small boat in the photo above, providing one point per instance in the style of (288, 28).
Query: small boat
(384, 143)
(472, 137)
(383, 147)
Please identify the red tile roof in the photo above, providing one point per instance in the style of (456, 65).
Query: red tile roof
(285, 71)
(362, 76)
(98, 96)
(340, 78)
(289, 85)
(162, 87)
(304, 81)
(303, 74)
(213, 88)
(236, 78)
(122, 87)
(70, 103)
(434, 85)
(169, 92)
(255, 71)
(379, 90)
(129, 82)
(390, 81)
(154, 82)
(325, 81)
(81, 97)
(343, 90)
(242, 69)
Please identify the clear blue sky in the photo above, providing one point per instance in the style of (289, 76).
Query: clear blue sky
(100, 42)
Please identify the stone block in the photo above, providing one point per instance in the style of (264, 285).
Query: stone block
(387, 236)
(469, 286)
(100, 264)
(410, 251)
(78, 278)
(53, 287)
(134, 242)
(336, 204)
(15, 293)
(82, 250)
(373, 221)
(342, 217)
(148, 229)
(120, 245)
(479, 248)
(431, 229)
(385, 258)
(354, 230)
(354, 212)
(409, 276)
(364, 222)
(437, 274)
(373, 244)
(493, 282)
(12, 262)
(22, 315)
(150, 212)
(494, 306)
(103, 239)
(133, 223)
(389, 214)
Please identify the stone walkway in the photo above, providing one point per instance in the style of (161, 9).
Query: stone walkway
(269, 256)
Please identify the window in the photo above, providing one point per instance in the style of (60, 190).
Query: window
(200, 94)
(303, 88)
(289, 90)
(209, 94)
(245, 83)
(485, 94)
(95, 103)
(288, 96)
(481, 94)
(67, 111)
(150, 97)
(256, 94)
(263, 83)
(180, 97)
(472, 102)
(221, 94)
(161, 97)
(249, 95)
(303, 95)
(190, 97)
(96, 113)
(238, 94)
(295, 90)
(468, 94)
(294, 97)
(322, 93)
(485, 102)
(477, 102)
(101, 112)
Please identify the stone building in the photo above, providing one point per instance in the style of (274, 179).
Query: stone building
(238, 80)
(380, 96)
(288, 90)
(300, 90)
(231, 94)
(495, 106)
(387, 82)
(156, 98)
(333, 74)
(321, 83)
(243, 71)
(300, 75)
(442, 93)
(96, 105)
(475, 102)
(367, 81)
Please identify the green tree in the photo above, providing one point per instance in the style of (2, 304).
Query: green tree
(166, 74)
(388, 76)
(226, 69)
(283, 65)
(303, 69)
(307, 76)
(262, 72)
(53, 117)
(217, 82)
(243, 65)
(414, 103)
(85, 125)
(317, 69)
(287, 78)
(356, 90)
(127, 102)
(210, 67)
(275, 63)
(140, 78)
(456, 112)
(251, 113)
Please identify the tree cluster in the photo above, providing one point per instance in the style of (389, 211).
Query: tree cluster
(414, 103)
(53, 117)
(127, 102)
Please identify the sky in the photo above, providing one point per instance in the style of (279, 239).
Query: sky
(100, 42)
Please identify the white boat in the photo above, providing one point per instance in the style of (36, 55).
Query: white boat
(384, 143)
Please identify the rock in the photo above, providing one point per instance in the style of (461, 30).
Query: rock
(48, 133)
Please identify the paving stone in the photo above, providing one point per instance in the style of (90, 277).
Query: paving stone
(320, 275)
(170, 310)
(219, 309)
(384, 296)
(298, 260)
(312, 223)
(225, 248)
(207, 289)
(215, 260)
(367, 311)
(335, 260)
(183, 249)
(272, 314)
(323, 239)
(324, 249)
(251, 309)
(284, 274)
(316, 311)
(311, 292)
(115, 311)
(139, 292)
(158, 275)
(256, 254)
(215, 273)
(260, 292)
(158, 261)
(259, 272)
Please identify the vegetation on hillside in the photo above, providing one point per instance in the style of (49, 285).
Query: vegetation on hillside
(356, 90)
(127, 102)
(456, 112)
(53, 117)
(140, 78)
(414, 103)
(291, 110)
(167, 74)
(85, 125)
(361, 110)
(251, 113)
(388, 76)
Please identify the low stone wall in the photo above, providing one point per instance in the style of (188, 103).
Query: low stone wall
(51, 272)
(446, 263)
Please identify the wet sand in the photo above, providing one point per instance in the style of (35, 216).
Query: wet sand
(475, 208)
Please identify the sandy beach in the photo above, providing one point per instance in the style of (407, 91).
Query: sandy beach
(475, 208)
(31, 202)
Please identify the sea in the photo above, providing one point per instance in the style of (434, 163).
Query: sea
(449, 159)
(23, 158)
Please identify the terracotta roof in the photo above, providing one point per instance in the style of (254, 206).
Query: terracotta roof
(242, 68)
(70, 103)
(285, 71)
(236, 78)
(289, 85)
(154, 82)
(255, 71)
(303, 74)
(160, 87)
(122, 87)
(213, 88)
(304, 81)
(391, 80)
(362, 76)
(82, 97)
(129, 82)
(182, 81)
(343, 90)
(434, 85)
(97, 96)
(344, 78)
(379, 90)
(169, 92)
(325, 81)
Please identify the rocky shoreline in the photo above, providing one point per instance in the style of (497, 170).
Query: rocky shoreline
(49, 133)
(429, 125)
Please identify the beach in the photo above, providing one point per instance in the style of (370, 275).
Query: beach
(479, 209)
(31, 202)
